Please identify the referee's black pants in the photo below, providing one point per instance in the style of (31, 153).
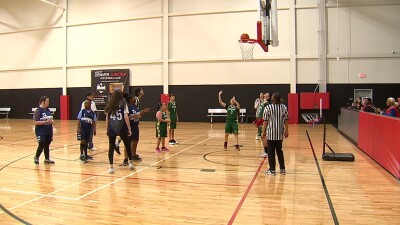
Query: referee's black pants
(272, 147)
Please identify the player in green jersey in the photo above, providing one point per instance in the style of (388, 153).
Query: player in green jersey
(231, 125)
(161, 127)
(173, 115)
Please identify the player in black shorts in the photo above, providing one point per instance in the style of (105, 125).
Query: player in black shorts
(86, 127)
(134, 116)
(43, 121)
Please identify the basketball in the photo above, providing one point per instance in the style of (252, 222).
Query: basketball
(244, 37)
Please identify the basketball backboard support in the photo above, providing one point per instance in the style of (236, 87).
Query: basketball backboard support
(267, 25)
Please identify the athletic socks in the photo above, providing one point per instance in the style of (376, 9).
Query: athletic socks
(85, 148)
(81, 148)
(84, 153)
(117, 143)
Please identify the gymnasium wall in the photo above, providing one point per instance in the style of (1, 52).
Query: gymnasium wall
(41, 47)
(22, 101)
(363, 34)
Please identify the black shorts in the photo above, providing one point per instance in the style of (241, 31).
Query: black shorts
(44, 137)
(85, 134)
(135, 132)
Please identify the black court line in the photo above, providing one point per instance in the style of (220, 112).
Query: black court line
(335, 219)
(226, 164)
(12, 215)
(1, 206)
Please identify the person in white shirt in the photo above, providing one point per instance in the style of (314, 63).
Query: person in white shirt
(89, 96)
(257, 106)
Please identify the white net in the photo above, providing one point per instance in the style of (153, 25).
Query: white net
(247, 49)
(311, 118)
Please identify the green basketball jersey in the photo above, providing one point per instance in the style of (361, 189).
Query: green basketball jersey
(172, 110)
(162, 125)
(261, 110)
(232, 113)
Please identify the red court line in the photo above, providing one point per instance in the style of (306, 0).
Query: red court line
(134, 178)
(245, 194)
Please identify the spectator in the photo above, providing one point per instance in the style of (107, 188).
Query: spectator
(398, 103)
(367, 106)
(357, 104)
(391, 109)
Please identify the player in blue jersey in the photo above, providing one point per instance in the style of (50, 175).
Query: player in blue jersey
(134, 117)
(86, 128)
(139, 93)
(89, 97)
(43, 121)
(117, 124)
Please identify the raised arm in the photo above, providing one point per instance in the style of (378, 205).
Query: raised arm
(236, 102)
(220, 100)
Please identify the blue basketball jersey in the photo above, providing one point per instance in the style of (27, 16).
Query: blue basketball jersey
(133, 109)
(42, 114)
(116, 121)
(86, 118)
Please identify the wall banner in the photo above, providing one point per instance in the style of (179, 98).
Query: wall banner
(105, 82)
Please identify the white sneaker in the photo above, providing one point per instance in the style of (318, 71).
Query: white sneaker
(263, 155)
(93, 149)
(131, 167)
(111, 170)
(257, 137)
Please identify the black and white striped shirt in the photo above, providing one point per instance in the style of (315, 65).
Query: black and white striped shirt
(276, 114)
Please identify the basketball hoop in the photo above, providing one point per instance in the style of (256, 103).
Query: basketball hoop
(247, 46)
(311, 118)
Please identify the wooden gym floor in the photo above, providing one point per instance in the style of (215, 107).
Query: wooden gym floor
(198, 182)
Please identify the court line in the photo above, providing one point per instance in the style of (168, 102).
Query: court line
(225, 164)
(129, 178)
(13, 216)
(187, 182)
(239, 206)
(39, 194)
(78, 198)
(124, 177)
(328, 198)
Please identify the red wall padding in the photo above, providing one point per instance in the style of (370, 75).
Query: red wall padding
(64, 107)
(378, 137)
(310, 100)
(164, 98)
(293, 108)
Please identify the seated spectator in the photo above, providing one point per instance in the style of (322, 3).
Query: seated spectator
(357, 104)
(391, 109)
(398, 103)
(367, 106)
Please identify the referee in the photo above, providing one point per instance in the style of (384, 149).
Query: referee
(275, 127)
